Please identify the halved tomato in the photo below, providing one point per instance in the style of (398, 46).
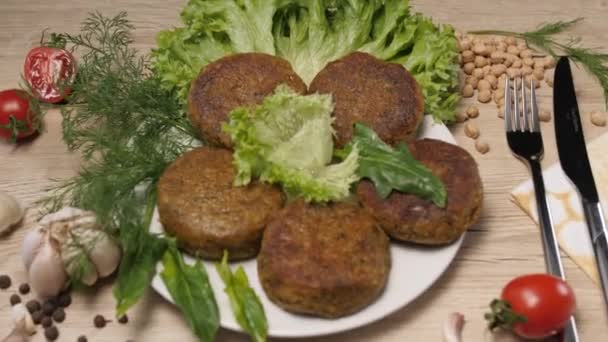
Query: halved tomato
(50, 72)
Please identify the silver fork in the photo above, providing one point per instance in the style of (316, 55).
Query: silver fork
(523, 136)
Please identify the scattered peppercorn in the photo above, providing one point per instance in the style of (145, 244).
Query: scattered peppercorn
(5, 282)
(48, 307)
(99, 321)
(15, 299)
(46, 321)
(59, 315)
(123, 319)
(64, 300)
(24, 288)
(32, 306)
(82, 338)
(37, 317)
(51, 333)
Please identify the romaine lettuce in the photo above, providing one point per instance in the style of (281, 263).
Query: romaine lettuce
(288, 140)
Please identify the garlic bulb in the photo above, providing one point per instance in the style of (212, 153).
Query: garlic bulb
(10, 212)
(68, 243)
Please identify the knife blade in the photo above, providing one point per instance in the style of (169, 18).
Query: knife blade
(574, 160)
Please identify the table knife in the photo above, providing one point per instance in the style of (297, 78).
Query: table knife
(575, 163)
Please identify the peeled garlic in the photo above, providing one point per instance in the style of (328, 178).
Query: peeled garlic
(24, 325)
(68, 243)
(10, 212)
(452, 327)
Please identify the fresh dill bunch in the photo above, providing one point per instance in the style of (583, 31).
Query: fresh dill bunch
(125, 125)
(594, 61)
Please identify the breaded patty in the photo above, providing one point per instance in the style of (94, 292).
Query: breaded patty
(198, 204)
(233, 81)
(327, 261)
(409, 218)
(384, 96)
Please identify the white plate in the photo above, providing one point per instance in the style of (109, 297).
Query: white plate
(413, 270)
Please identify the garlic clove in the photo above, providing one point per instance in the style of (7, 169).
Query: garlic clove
(60, 223)
(75, 260)
(105, 254)
(31, 245)
(10, 212)
(452, 327)
(46, 273)
(23, 319)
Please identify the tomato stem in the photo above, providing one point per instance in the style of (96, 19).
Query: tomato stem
(502, 315)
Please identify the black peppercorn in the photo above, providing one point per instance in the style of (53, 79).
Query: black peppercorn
(99, 321)
(37, 317)
(59, 315)
(64, 300)
(32, 306)
(51, 333)
(15, 299)
(24, 288)
(48, 307)
(46, 321)
(5, 282)
(82, 338)
(123, 319)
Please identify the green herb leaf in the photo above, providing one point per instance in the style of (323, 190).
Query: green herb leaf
(190, 289)
(393, 169)
(245, 304)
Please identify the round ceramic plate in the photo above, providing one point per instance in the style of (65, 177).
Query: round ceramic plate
(413, 270)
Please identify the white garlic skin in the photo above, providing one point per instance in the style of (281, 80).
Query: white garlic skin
(11, 212)
(105, 254)
(47, 273)
(23, 320)
(31, 244)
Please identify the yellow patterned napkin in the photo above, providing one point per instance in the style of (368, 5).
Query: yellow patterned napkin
(565, 206)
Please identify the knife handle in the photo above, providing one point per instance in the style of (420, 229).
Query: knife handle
(599, 240)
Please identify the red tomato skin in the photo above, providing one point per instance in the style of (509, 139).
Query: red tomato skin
(14, 102)
(546, 301)
(45, 69)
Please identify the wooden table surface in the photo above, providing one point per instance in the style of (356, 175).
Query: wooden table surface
(504, 244)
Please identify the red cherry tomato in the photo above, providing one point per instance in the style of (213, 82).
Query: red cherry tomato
(50, 71)
(17, 119)
(540, 305)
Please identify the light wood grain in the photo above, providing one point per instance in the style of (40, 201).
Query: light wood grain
(504, 244)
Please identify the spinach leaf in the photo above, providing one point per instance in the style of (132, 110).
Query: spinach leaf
(393, 169)
(245, 304)
(190, 289)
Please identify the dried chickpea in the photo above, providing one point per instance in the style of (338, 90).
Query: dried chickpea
(480, 61)
(538, 74)
(482, 147)
(477, 72)
(530, 78)
(499, 95)
(461, 117)
(471, 131)
(472, 80)
(539, 63)
(467, 56)
(480, 49)
(517, 64)
(527, 53)
(544, 115)
(468, 68)
(492, 80)
(510, 41)
(501, 81)
(484, 96)
(512, 73)
(598, 118)
(549, 78)
(484, 85)
(491, 49)
(497, 57)
(522, 46)
(526, 70)
(501, 46)
(528, 61)
(467, 90)
(464, 45)
(460, 60)
(472, 111)
(498, 69)
(549, 62)
(512, 49)
(486, 70)
(501, 112)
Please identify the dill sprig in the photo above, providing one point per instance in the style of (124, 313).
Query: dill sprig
(594, 61)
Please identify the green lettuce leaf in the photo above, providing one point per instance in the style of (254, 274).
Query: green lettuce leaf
(190, 289)
(288, 140)
(310, 34)
(393, 169)
(245, 304)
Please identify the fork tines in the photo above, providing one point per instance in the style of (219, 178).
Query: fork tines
(521, 112)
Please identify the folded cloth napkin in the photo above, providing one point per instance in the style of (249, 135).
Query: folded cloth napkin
(565, 205)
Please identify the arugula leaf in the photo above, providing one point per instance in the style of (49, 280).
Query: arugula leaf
(141, 252)
(392, 168)
(245, 304)
(190, 289)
